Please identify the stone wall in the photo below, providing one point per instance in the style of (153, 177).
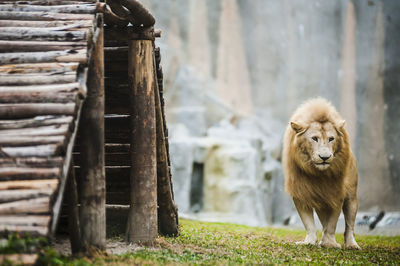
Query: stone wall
(231, 62)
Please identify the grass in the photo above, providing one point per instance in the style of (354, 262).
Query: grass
(221, 244)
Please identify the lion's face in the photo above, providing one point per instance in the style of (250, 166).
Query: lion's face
(318, 144)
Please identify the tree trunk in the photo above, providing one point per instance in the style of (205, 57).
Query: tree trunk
(142, 221)
(92, 210)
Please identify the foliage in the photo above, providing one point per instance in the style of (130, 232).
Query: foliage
(221, 243)
(21, 244)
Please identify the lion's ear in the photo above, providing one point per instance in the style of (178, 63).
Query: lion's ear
(340, 126)
(297, 127)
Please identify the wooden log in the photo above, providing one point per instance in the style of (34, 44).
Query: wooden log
(35, 34)
(128, 33)
(36, 131)
(39, 97)
(31, 206)
(45, 16)
(73, 9)
(73, 211)
(37, 79)
(35, 122)
(38, 68)
(142, 15)
(44, 24)
(92, 190)
(9, 173)
(25, 110)
(110, 18)
(23, 194)
(50, 184)
(18, 141)
(38, 46)
(47, 2)
(69, 87)
(30, 220)
(19, 259)
(30, 151)
(122, 12)
(32, 162)
(142, 221)
(167, 209)
(40, 57)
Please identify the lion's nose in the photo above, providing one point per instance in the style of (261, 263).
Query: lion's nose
(324, 157)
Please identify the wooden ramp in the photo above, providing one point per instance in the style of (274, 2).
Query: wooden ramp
(45, 48)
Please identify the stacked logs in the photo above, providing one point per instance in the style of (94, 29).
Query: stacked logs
(44, 55)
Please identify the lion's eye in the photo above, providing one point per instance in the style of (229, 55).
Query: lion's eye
(331, 139)
(315, 139)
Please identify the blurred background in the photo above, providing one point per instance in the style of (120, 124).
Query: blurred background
(235, 70)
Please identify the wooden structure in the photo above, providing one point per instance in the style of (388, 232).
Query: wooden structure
(52, 77)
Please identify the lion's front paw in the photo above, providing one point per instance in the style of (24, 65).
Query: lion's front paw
(329, 244)
(352, 245)
(309, 240)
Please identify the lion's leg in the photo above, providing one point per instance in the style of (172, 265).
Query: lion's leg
(307, 217)
(329, 219)
(350, 206)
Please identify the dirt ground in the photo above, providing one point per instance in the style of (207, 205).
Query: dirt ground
(114, 246)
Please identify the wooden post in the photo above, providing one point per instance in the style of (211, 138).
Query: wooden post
(167, 210)
(73, 211)
(92, 190)
(142, 220)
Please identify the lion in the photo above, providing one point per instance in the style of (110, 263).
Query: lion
(321, 171)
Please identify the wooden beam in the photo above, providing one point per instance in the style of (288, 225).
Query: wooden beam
(73, 211)
(24, 110)
(45, 57)
(142, 221)
(31, 184)
(38, 205)
(167, 209)
(92, 190)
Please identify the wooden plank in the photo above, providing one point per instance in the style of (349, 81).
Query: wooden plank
(39, 46)
(45, 16)
(72, 8)
(39, 97)
(52, 162)
(17, 141)
(45, 24)
(41, 34)
(23, 194)
(50, 184)
(33, 151)
(37, 79)
(19, 259)
(74, 227)
(16, 173)
(41, 57)
(38, 205)
(30, 220)
(69, 87)
(51, 130)
(35, 122)
(24, 110)
(38, 68)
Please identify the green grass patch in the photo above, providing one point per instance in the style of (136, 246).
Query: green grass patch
(220, 243)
